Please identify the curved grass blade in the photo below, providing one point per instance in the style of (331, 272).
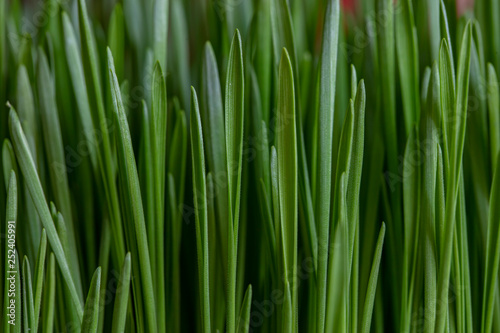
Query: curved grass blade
(91, 314)
(28, 169)
(122, 298)
(201, 210)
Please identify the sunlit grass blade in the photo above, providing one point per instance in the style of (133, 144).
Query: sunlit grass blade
(122, 297)
(91, 312)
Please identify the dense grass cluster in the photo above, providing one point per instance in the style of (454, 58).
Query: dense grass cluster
(330, 169)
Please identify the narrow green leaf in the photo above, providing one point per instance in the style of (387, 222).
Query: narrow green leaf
(493, 107)
(201, 209)
(407, 50)
(39, 272)
(130, 181)
(122, 297)
(91, 312)
(27, 294)
(457, 137)
(328, 67)
(492, 253)
(79, 87)
(94, 90)
(29, 172)
(234, 116)
(212, 117)
(49, 296)
(160, 28)
(372, 283)
(286, 147)
(10, 251)
(244, 318)
(54, 148)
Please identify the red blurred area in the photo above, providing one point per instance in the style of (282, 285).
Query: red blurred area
(462, 5)
(349, 5)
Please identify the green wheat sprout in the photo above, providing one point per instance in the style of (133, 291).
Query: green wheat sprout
(249, 166)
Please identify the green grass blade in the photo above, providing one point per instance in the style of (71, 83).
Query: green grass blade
(54, 148)
(10, 251)
(27, 294)
(286, 148)
(201, 209)
(122, 297)
(49, 296)
(372, 283)
(492, 253)
(79, 88)
(493, 107)
(130, 180)
(39, 272)
(234, 116)
(457, 137)
(160, 31)
(325, 139)
(407, 51)
(244, 318)
(91, 312)
(158, 140)
(95, 95)
(212, 117)
(29, 172)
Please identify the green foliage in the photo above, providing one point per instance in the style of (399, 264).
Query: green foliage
(257, 204)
